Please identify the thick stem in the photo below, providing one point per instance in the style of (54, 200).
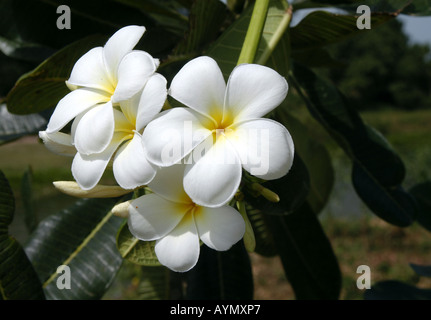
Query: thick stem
(275, 39)
(254, 32)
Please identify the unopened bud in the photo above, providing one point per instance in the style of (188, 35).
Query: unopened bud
(71, 188)
(122, 209)
(266, 193)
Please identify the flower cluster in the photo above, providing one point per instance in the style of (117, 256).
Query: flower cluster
(190, 157)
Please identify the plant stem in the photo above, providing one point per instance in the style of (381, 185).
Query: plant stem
(285, 21)
(254, 32)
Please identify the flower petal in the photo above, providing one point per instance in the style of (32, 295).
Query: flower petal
(131, 168)
(172, 135)
(58, 142)
(213, 178)
(253, 91)
(146, 104)
(200, 85)
(151, 101)
(122, 123)
(133, 72)
(88, 169)
(179, 250)
(168, 183)
(120, 44)
(94, 131)
(90, 72)
(73, 104)
(219, 228)
(265, 147)
(151, 217)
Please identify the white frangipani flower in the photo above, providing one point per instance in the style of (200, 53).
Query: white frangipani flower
(130, 166)
(171, 218)
(100, 80)
(225, 122)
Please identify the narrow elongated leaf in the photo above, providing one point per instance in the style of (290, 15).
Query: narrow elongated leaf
(18, 279)
(221, 275)
(421, 192)
(13, 127)
(43, 87)
(82, 238)
(396, 290)
(306, 253)
(378, 171)
(135, 250)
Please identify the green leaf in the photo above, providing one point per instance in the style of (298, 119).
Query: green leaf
(395, 290)
(221, 275)
(24, 51)
(314, 58)
(424, 271)
(392, 204)
(43, 87)
(321, 28)
(87, 17)
(13, 127)
(421, 192)
(11, 69)
(315, 157)
(165, 13)
(81, 237)
(155, 283)
(274, 48)
(378, 171)
(226, 49)
(135, 250)
(18, 279)
(412, 7)
(292, 190)
(265, 244)
(306, 254)
(205, 20)
(30, 218)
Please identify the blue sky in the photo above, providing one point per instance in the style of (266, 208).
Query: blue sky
(417, 28)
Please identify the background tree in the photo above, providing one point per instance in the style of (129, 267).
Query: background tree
(381, 69)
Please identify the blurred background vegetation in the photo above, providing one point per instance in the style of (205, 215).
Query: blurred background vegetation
(386, 77)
